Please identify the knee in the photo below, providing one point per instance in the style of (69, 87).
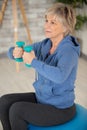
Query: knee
(15, 112)
(5, 98)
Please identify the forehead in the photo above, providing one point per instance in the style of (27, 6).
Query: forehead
(52, 17)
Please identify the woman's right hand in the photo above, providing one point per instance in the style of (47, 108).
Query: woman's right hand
(18, 52)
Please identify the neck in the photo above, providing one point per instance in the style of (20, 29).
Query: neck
(56, 41)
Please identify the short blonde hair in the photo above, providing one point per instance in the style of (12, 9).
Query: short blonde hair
(65, 14)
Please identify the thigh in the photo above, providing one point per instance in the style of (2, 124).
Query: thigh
(9, 99)
(41, 114)
(6, 101)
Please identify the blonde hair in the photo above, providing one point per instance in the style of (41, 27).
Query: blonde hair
(65, 14)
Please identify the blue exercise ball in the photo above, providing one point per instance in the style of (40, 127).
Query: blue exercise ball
(79, 122)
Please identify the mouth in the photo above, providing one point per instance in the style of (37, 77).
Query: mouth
(47, 31)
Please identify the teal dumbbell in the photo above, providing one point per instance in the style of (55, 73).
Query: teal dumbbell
(21, 45)
(28, 49)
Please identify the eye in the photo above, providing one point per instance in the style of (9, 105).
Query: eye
(46, 20)
(52, 22)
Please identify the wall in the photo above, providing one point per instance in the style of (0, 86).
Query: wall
(82, 34)
(35, 10)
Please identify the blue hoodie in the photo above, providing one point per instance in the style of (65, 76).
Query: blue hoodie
(56, 72)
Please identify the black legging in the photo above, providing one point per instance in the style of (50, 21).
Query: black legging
(18, 110)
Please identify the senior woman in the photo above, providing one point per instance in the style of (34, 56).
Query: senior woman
(56, 60)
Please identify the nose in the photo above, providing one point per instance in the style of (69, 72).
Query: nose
(47, 25)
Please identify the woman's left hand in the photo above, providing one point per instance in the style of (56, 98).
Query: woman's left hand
(28, 57)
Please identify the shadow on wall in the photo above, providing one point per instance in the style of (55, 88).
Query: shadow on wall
(3, 55)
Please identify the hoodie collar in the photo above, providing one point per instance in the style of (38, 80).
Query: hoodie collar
(72, 41)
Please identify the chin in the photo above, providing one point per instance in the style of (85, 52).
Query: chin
(48, 36)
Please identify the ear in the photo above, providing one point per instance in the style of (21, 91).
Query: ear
(64, 29)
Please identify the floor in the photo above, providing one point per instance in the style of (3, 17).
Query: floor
(12, 81)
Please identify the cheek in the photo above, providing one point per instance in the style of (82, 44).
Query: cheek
(59, 30)
(55, 31)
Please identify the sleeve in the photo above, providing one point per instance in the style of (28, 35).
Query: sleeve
(59, 73)
(10, 53)
(37, 47)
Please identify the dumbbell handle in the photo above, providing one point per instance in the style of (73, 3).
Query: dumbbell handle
(21, 45)
(28, 49)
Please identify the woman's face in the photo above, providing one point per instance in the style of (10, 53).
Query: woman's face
(53, 28)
